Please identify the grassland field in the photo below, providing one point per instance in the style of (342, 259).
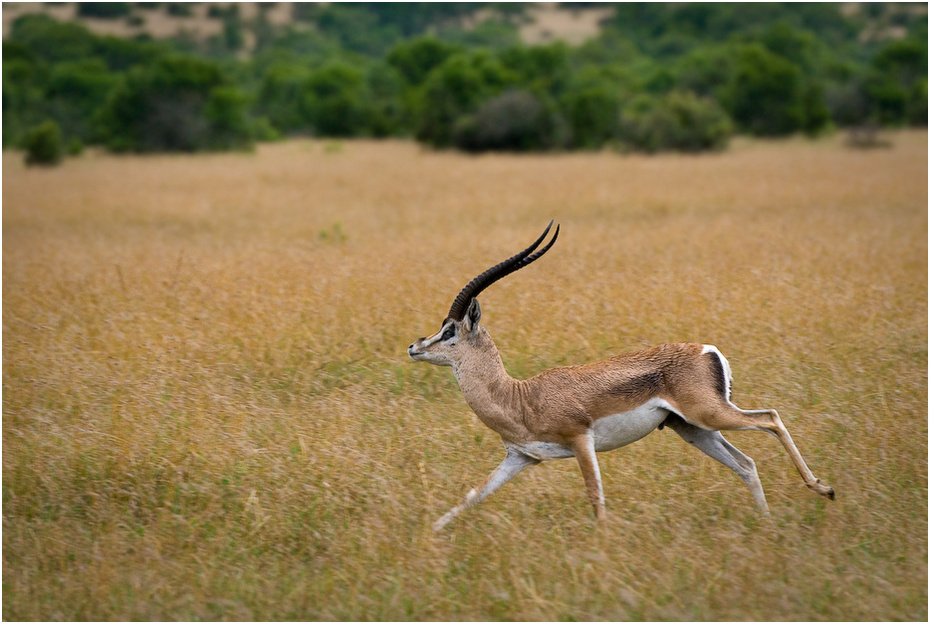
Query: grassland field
(208, 411)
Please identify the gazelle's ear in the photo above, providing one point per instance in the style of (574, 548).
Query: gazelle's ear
(472, 316)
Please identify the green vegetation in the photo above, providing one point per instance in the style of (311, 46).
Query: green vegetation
(657, 77)
(43, 144)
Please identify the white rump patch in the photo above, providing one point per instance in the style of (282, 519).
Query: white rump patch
(727, 374)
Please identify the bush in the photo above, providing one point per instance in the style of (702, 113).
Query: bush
(592, 113)
(896, 83)
(514, 121)
(229, 125)
(75, 91)
(177, 104)
(416, 58)
(335, 102)
(769, 96)
(43, 144)
(280, 94)
(103, 10)
(680, 121)
(455, 89)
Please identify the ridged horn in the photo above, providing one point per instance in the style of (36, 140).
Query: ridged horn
(496, 272)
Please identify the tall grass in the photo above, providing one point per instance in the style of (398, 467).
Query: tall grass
(208, 412)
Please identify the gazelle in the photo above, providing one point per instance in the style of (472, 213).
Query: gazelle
(578, 411)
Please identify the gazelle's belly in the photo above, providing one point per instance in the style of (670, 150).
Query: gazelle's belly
(609, 432)
(618, 430)
(542, 451)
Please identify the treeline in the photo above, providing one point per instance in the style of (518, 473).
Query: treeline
(659, 77)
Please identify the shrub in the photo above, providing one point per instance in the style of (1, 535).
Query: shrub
(416, 58)
(280, 94)
(592, 113)
(178, 103)
(229, 125)
(103, 10)
(896, 83)
(455, 89)
(335, 102)
(514, 121)
(75, 91)
(765, 96)
(680, 121)
(43, 144)
(51, 40)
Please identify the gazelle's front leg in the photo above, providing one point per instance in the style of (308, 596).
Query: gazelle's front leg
(512, 465)
(583, 447)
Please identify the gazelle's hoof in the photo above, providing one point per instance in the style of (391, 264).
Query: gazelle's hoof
(823, 490)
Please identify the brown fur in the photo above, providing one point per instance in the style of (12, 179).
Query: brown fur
(560, 406)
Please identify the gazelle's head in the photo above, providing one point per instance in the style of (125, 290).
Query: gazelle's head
(461, 325)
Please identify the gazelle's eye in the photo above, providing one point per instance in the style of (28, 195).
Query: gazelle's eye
(449, 333)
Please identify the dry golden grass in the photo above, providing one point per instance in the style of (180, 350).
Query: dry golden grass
(208, 412)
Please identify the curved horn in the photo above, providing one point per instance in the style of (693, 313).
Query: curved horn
(496, 272)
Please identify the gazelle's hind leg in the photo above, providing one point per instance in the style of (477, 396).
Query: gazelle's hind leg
(730, 417)
(715, 445)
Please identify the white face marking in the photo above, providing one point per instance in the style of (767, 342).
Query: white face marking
(419, 351)
(625, 428)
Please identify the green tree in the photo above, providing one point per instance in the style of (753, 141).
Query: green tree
(542, 68)
(51, 40)
(454, 89)
(416, 58)
(75, 92)
(104, 10)
(766, 93)
(24, 81)
(336, 102)
(679, 121)
(280, 96)
(179, 103)
(895, 84)
(591, 106)
(386, 88)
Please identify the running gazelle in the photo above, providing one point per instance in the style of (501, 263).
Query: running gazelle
(577, 411)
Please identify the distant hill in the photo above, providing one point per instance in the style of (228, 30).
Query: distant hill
(537, 22)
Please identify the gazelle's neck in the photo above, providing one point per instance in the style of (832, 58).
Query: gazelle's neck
(489, 391)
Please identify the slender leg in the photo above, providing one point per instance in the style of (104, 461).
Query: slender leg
(771, 422)
(715, 445)
(730, 417)
(583, 446)
(514, 463)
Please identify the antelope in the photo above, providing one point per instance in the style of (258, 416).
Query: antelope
(579, 411)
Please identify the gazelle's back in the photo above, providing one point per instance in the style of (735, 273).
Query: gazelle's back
(618, 384)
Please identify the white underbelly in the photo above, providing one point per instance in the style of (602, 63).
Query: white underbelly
(618, 430)
(542, 451)
(609, 432)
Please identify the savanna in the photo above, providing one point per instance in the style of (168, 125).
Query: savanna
(209, 413)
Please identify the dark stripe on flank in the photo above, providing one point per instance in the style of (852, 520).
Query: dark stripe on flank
(720, 376)
(646, 384)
